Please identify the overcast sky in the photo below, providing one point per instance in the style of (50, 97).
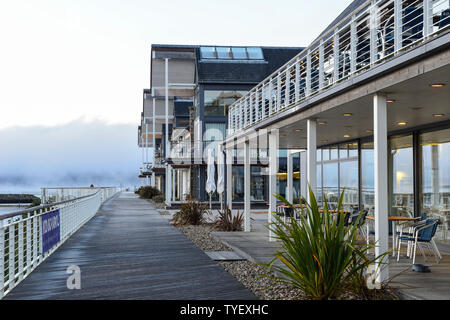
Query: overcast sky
(66, 61)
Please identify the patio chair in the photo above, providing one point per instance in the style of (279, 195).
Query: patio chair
(422, 235)
(406, 229)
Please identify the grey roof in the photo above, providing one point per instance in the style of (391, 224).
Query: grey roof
(245, 72)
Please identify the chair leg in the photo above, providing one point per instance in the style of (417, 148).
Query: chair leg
(398, 249)
(436, 248)
(414, 252)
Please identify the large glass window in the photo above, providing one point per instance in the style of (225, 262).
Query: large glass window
(239, 53)
(401, 176)
(255, 53)
(216, 102)
(435, 182)
(238, 183)
(258, 183)
(367, 177)
(223, 53)
(208, 52)
(330, 183)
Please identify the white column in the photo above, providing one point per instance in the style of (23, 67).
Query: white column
(273, 170)
(290, 177)
(169, 185)
(167, 106)
(154, 138)
(311, 156)
(381, 180)
(247, 205)
(303, 179)
(229, 161)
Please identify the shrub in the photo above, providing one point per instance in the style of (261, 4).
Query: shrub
(148, 192)
(227, 222)
(191, 213)
(319, 255)
(159, 198)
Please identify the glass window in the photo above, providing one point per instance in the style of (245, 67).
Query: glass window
(223, 53)
(401, 176)
(238, 183)
(367, 177)
(348, 179)
(319, 196)
(239, 53)
(216, 102)
(333, 153)
(208, 52)
(255, 53)
(353, 149)
(343, 151)
(325, 154)
(258, 182)
(435, 182)
(319, 155)
(330, 183)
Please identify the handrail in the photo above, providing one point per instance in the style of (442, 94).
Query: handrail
(371, 34)
(30, 236)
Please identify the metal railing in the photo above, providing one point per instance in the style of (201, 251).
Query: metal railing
(28, 237)
(373, 33)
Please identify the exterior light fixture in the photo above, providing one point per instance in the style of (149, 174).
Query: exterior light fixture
(322, 122)
(438, 115)
(369, 131)
(402, 123)
(437, 85)
(348, 114)
(298, 130)
(346, 136)
(390, 100)
(323, 141)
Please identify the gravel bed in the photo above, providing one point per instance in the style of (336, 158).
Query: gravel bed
(201, 236)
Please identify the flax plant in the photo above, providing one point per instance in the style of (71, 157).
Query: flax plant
(320, 254)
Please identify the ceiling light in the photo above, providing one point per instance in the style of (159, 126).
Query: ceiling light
(390, 100)
(348, 114)
(346, 136)
(437, 85)
(322, 122)
(402, 123)
(282, 135)
(438, 115)
(323, 141)
(369, 131)
(298, 130)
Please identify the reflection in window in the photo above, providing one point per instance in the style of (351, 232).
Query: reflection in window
(257, 184)
(238, 183)
(401, 176)
(216, 102)
(435, 189)
(255, 53)
(239, 53)
(208, 52)
(223, 53)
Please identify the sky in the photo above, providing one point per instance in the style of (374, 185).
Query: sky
(75, 63)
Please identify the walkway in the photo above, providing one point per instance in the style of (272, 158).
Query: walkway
(128, 251)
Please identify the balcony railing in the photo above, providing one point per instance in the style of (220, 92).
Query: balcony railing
(370, 35)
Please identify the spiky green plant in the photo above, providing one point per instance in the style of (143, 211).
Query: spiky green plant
(227, 222)
(318, 254)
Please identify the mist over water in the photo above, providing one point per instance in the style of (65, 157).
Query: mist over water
(79, 153)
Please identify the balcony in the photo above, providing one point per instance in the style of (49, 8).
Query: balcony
(368, 37)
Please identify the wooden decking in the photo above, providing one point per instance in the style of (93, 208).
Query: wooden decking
(128, 251)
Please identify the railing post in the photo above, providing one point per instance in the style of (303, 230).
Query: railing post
(336, 55)
(373, 33)
(297, 80)
(20, 248)
(263, 100)
(353, 47)
(278, 105)
(308, 73)
(398, 35)
(321, 59)
(11, 256)
(270, 96)
(427, 18)
(287, 87)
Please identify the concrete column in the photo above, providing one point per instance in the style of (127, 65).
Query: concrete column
(273, 170)
(380, 149)
(153, 178)
(229, 182)
(290, 177)
(247, 206)
(311, 156)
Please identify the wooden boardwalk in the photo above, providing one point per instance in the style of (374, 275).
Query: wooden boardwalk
(128, 251)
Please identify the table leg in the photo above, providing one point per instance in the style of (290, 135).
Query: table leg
(394, 238)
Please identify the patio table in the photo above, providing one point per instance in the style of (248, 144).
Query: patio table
(394, 220)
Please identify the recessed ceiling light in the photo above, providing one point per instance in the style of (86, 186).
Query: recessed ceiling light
(322, 122)
(348, 114)
(282, 135)
(437, 85)
(298, 130)
(390, 100)
(369, 131)
(346, 136)
(323, 141)
(402, 123)
(438, 115)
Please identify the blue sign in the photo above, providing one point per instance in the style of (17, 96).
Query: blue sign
(50, 230)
